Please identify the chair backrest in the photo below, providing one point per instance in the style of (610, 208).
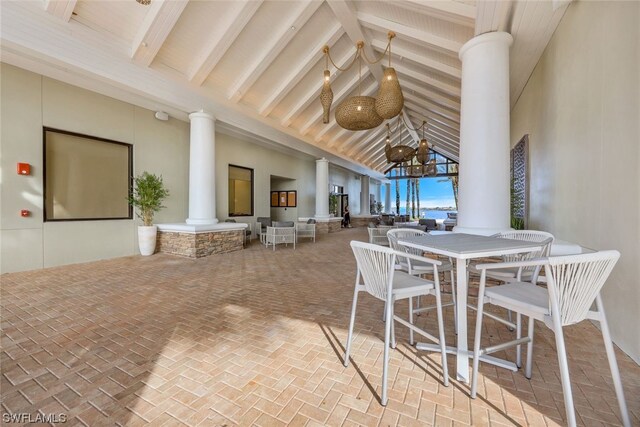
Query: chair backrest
(399, 233)
(283, 224)
(376, 266)
(229, 220)
(574, 282)
(264, 221)
(311, 221)
(528, 236)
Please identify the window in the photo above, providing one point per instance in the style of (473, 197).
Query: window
(86, 178)
(240, 191)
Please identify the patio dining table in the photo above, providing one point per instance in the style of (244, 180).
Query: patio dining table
(464, 247)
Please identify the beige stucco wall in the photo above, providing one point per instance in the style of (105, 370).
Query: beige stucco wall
(29, 102)
(581, 109)
(265, 163)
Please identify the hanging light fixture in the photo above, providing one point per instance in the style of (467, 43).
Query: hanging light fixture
(422, 153)
(364, 112)
(389, 101)
(144, 2)
(326, 95)
(399, 153)
(358, 112)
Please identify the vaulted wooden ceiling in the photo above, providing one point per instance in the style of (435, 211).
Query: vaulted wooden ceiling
(264, 59)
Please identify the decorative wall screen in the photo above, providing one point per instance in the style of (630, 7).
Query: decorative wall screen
(519, 181)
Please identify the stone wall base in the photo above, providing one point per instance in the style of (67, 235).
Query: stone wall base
(363, 221)
(200, 244)
(325, 226)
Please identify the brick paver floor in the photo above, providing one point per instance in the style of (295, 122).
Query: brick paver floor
(256, 337)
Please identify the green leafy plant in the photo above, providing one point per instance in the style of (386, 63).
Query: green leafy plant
(147, 195)
(333, 204)
(379, 207)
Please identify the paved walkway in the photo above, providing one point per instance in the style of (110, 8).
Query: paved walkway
(256, 337)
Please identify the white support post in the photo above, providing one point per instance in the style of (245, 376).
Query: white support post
(364, 195)
(387, 197)
(483, 198)
(202, 169)
(322, 188)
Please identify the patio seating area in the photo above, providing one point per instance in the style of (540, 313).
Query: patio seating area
(242, 339)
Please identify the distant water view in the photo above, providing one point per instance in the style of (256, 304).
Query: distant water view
(430, 213)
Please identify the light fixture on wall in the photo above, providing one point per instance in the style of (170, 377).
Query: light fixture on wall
(363, 112)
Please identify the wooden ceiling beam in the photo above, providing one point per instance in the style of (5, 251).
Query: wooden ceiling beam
(432, 115)
(434, 65)
(265, 57)
(329, 38)
(221, 40)
(451, 11)
(438, 109)
(439, 85)
(156, 26)
(359, 139)
(435, 97)
(421, 37)
(62, 9)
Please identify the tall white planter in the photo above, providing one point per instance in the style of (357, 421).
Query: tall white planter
(147, 239)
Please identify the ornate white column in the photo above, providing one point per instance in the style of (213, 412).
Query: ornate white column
(483, 197)
(322, 189)
(202, 169)
(387, 197)
(364, 195)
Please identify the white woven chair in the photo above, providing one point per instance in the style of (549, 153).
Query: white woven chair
(305, 230)
(573, 284)
(378, 235)
(376, 274)
(418, 267)
(525, 274)
(278, 235)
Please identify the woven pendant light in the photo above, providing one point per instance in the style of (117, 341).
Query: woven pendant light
(326, 97)
(389, 101)
(422, 153)
(358, 113)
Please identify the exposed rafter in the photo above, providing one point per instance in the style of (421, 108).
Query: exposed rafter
(62, 9)
(451, 90)
(420, 59)
(278, 43)
(448, 10)
(220, 41)
(337, 138)
(363, 139)
(445, 112)
(312, 93)
(157, 24)
(415, 35)
(437, 99)
(297, 72)
(424, 110)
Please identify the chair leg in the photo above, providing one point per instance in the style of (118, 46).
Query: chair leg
(613, 365)
(564, 374)
(443, 344)
(453, 297)
(351, 323)
(518, 336)
(478, 336)
(385, 361)
(393, 324)
(411, 320)
(530, 349)
(510, 319)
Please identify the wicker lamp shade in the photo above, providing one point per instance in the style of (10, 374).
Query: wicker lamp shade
(358, 113)
(422, 153)
(431, 168)
(144, 2)
(400, 153)
(326, 97)
(389, 101)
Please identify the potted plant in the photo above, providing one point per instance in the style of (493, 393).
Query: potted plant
(147, 195)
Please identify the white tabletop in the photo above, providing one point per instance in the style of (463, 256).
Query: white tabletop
(465, 246)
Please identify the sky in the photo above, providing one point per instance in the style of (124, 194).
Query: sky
(433, 193)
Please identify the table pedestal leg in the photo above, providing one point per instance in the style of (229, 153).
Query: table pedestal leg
(462, 357)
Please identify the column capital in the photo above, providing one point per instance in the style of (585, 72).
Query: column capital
(495, 36)
(201, 115)
(323, 160)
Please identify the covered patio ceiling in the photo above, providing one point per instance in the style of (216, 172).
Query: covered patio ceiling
(257, 65)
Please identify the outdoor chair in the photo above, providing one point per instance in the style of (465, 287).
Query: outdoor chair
(376, 274)
(418, 267)
(283, 224)
(378, 236)
(573, 285)
(278, 235)
(261, 227)
(429, 223)
(306, 230)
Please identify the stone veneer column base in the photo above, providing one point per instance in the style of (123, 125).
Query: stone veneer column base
(363, 220)
(325, 225)
(198, 241)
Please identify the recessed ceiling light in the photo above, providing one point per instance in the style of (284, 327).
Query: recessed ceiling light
(293, 27)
